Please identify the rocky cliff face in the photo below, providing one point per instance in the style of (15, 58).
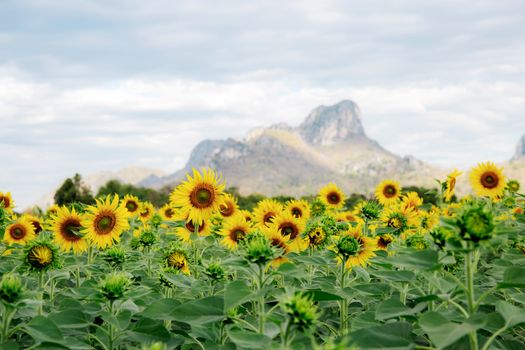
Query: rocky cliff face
(330, 145)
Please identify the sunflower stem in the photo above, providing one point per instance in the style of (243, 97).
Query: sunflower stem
(77, 276)
(260, 285)
(110, 328)
(344, 302)
(196, 250)
(41, 289)
(471, 303)
(6, 321)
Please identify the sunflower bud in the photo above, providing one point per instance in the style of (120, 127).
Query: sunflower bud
(347, 246)
(301, 311)
(513, 186)
(215, 271)
(156, 220)
(147, 238)
(155, 346)
(417, 241)
(317, 207)
(116, 255)
(258, 250)
(476, 223)
(41, 255)
(115, 285)
(11, 288)
(371, 210)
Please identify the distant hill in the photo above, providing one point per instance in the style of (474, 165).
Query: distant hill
(329, 145)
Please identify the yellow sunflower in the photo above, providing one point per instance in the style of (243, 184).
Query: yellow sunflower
(355, 249)
(36, 222)
(280, 242)
(178, 260)
(200, 195)
(428, 219)
(384, 241)
(52, 210)
(289, 226)
(20, 232)
(132, 204)
(332, 196)
(399, 219)
(234, 229)
(388, 192)
(298, 208)
(104, 222)
(247, 215)
(66, 227)
(488, 180)
(228, 205)
(346, 216)
(450, 184)
(167, 212)
(411, 200)
(146, 211)
(6, 202)
(265, 211)
(185, 232)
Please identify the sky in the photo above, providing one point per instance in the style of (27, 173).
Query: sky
(90, 85)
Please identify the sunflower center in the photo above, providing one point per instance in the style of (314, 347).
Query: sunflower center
(333, 198)
(394, 222)
(37, 226)
(191, 227)
(18, 232)
(69, 230)
(268, 217)
(289, 229)
(389, 191)
(202, 196)
(144, 213)
(5, 202)
(278, 243)
(226, 209)
(237, 234)
(177, 261)
(383, 242)
(297, 212)
(131, 206)
(169, 213)
(317, 236)
(104, 223)
(489, 179)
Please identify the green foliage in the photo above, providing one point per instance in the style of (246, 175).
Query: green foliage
(157, 198)
(72, 191)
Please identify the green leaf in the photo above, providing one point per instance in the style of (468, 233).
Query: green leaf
(161, 309)
(72, 318)
(394, 308)
(395, 276)
(513, 277)
(43, 329)
(417, 259)
(246, 339)
(443, 333)
(147, 330)
(372, 289)
(396, 336)
(236, 293)
(200, 311)
(513, 315)
(319, 295)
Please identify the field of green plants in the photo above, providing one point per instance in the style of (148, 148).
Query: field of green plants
(392, 272)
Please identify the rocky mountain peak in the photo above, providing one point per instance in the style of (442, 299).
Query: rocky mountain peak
(520, 149)
(327, 125)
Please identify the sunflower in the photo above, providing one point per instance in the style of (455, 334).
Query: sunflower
(399, 219)
(167, 212)
(384, 241)
(176, 257)
(234, 229)
(132, 204)
(146, 211)
(282, 243)
(247, 215)
(332, 196)
(6, 202)
(411, 200)
(289, 226)
(200, 195)
(487, 180)
(52, 210)
(20, 232)
(355, 249)
(388, 192)
(298, 208)
(265, 211)
(428, 219)
(185, 232)
(41, 255)
(228, 205)
(66, 226)
(346, 216)
(104, 222)
(450, 184)
(36, 222)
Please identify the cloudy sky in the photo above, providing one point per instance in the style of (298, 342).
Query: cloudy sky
(88, 85)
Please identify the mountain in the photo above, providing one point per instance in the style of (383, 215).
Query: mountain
(329, 145)
(130, 175)
(515, 168)
(520, 149)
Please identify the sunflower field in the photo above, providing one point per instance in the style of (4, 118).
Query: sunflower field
(392, 272)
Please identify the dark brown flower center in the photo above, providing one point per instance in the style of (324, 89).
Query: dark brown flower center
(276, 242)
(69, 230)
(333, 198)
(389, 191)
(191, 227)
(202, 196)
(237, 234)
(489, 179)
(169, 213)
(383, 242)
(105, 222)
(5, 202)
(226, 209)
(289, 229)
(297, 212)
(18, 232)
(144, 213)
(268, 217)
(37, 226)
(132, 206)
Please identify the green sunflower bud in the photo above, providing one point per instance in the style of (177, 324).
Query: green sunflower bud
(476, 223)
(301, 311)
(371, 210)
(41, 255)
(115, 255)
(417, 241)
(215, 271)
(147, 238)
(317, 208)
(115, 285)
(258, 250)
(513, 186)
(347, 246)
(11, 288)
